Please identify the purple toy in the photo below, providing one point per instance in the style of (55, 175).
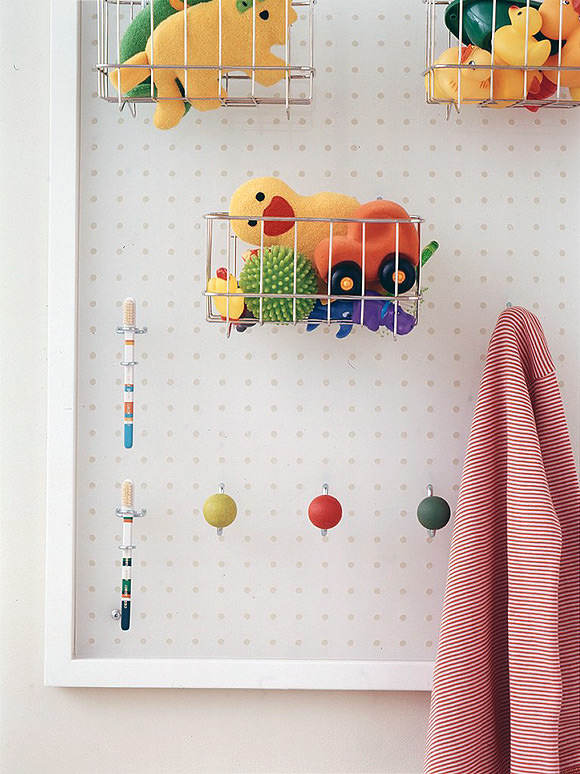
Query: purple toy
(382, 312)
(405, 321)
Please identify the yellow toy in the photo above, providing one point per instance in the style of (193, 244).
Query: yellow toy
(550, 11)
(165, 51)
(514, 46)
(270, 197)
(514, 49)
(511, 45)
(444, 83)
(221, 284)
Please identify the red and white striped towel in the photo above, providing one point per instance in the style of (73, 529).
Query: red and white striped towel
(506, 692)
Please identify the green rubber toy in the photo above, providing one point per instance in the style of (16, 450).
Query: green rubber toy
(278, 277)
(429, 251)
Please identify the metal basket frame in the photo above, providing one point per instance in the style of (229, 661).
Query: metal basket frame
(109, 14)
(230, 258)
(436, 23)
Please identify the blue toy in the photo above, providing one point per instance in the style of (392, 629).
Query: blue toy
(339, 310)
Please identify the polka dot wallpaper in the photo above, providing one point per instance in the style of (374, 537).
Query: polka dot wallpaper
(277, 412)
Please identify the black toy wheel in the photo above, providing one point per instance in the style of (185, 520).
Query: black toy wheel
(346, 279)
(389, 278)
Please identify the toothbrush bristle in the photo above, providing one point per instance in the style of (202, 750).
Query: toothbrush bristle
(129, 311)
(127, 493)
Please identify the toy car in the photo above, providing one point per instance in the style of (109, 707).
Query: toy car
(390, 256)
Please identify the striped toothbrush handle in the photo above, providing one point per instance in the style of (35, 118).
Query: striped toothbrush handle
(127, 502)
(128, 394)
(129, 385)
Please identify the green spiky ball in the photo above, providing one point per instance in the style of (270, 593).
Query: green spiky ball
(279, 278)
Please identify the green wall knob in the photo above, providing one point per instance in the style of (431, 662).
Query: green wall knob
(433, 512)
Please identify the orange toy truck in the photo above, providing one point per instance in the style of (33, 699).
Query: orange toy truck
(382, 243)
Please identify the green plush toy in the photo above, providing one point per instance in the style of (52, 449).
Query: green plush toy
(135, 38)
(278, 277)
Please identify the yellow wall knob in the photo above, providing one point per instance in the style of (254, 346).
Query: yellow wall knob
(220, 510)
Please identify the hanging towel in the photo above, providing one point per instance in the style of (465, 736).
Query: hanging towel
(506, 691)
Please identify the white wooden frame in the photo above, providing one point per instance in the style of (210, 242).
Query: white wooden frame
(61, 666)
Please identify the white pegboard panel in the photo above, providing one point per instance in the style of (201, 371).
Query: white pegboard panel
(276, 412)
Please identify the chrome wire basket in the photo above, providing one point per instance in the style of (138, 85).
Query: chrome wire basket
(378, 287)
(225, 81)
(503, 53)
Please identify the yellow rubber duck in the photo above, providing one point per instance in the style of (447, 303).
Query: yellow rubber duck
(560, 19)
(563, 21)
(445, 83)
(271, 198)
(515, 46)
(515, 43)
(221, 284)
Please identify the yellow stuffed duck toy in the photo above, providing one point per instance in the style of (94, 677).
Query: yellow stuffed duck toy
(271, 198)
(445, 82)
(554, 13)
(515, 46)
(165, 51)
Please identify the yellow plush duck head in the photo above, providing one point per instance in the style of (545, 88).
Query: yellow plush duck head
(515, 43)
(263, 197)
(475, 68)
(269, 197)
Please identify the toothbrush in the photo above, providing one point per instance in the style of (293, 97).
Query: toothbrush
(128, 367)
(127, 512)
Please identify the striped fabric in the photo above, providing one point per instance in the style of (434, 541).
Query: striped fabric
(506, 693)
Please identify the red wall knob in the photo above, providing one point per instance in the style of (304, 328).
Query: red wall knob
(325, 512)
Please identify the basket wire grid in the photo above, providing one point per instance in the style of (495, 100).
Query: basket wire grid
(437, 31)
(229, 256)
(115, 16)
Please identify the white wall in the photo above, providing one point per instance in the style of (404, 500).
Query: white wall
(81, 731)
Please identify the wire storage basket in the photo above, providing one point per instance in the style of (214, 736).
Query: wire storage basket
(205, 54)
(362, 272)
(503, 53)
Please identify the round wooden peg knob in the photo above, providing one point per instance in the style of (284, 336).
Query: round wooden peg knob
(220, 510)
(325, 511)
